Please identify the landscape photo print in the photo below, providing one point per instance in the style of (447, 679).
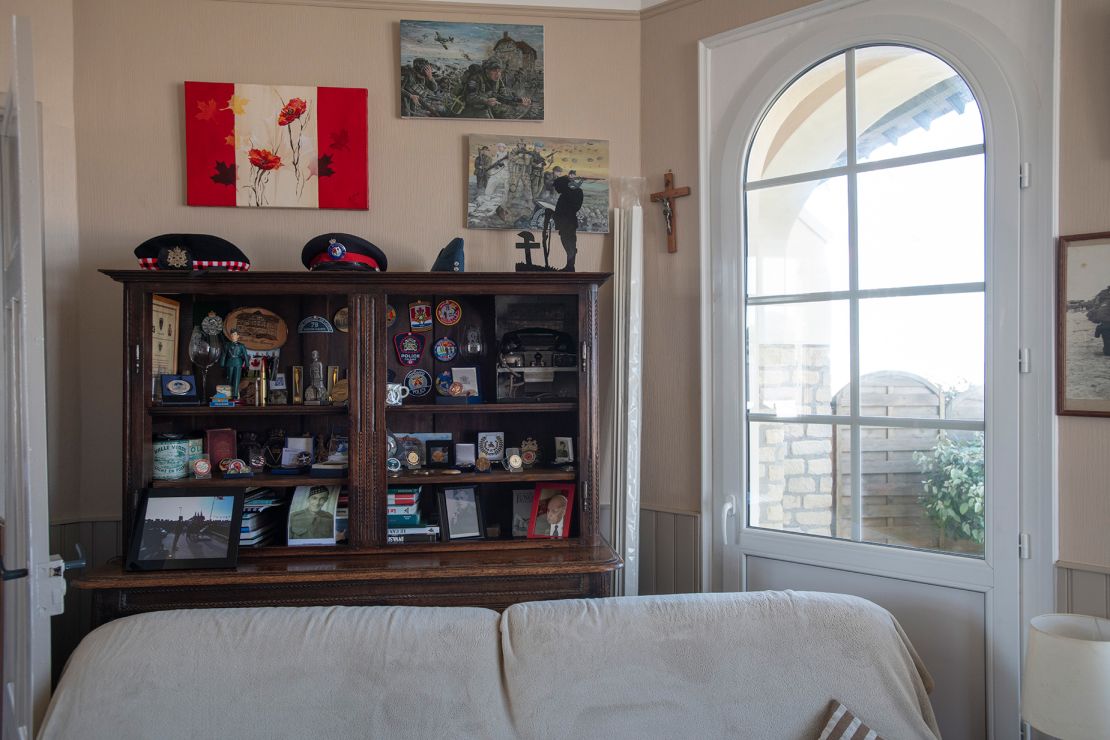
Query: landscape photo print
(514, 181)
(471, 70)
(1083, 325)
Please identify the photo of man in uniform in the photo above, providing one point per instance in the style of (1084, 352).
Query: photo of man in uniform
(312, 515)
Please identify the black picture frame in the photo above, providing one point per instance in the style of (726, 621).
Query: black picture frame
(439, 454)
(191, 539)
(456, 519)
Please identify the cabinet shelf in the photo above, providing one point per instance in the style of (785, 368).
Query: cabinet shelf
(486, 408)
(259, 479)
(525, 476)
(289, 410)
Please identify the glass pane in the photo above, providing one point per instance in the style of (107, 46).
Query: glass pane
(798, 238)
(792, 477)
(922, 488)
(921, 356)
(806, 127)
(922, 225)
(910, 102)
(797, 354)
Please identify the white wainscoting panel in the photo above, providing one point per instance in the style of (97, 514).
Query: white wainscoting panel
(1080, 591)
(670, 547)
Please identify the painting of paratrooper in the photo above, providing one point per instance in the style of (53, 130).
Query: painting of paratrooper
(471, 70)
(531, 182)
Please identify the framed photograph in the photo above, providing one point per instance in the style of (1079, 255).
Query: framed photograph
(166, 315)
(564, 449)
(312, 515)
(439, 454)
(1083, 325)
(460, 514)
(522, 511)
(552, 505)
(186, 528)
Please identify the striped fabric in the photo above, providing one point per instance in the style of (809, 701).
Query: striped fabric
(151, 263)
(843, 725)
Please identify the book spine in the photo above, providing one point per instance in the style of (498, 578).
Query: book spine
(428, 529)
(400, 539)
(403, 521)
(402, 510)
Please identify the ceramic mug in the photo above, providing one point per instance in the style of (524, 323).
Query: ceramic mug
(395, 393)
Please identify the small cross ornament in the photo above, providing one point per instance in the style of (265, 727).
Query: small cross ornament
(667, 196)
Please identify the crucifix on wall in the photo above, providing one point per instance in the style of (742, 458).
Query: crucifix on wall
(667, 196)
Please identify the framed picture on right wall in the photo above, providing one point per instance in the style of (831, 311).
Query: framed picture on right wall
(1083, 325)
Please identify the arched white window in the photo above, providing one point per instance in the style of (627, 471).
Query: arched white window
(864, 296)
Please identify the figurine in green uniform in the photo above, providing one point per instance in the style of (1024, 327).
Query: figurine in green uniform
(234, 362)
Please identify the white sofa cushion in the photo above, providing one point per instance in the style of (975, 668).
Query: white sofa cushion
(312, 672)
(753, 665)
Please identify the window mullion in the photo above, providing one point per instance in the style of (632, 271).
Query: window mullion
(853, 303)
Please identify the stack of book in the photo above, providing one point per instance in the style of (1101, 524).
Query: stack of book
(263, 517)
(403, 518)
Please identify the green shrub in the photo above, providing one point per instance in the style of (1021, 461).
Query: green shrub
(953, 485)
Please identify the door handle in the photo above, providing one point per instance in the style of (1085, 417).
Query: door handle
(728, 510)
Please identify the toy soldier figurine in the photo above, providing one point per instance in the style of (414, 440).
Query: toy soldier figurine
(234, 362)
(317, 392)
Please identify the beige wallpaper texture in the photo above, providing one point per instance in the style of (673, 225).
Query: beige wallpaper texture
(131, 57)
(671, 459)
(52, 42)
(1084, 443)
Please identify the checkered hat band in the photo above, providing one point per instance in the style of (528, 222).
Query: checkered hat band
(151, 263)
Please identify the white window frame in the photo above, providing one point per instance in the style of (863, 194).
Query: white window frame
(853, 420)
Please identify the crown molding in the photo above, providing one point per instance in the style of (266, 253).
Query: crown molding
(603, 10)
(654, 9)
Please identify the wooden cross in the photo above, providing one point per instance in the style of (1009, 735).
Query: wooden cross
(666, 196)
(527, 245)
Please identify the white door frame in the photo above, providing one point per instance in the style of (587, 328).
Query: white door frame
(1016, 94)
(29, 601)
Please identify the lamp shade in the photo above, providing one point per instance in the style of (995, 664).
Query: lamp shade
(1066, 688)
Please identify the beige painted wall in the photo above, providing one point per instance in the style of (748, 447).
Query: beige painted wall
(1084, 443)
(52, 42)
(131, 58)
(669, 110)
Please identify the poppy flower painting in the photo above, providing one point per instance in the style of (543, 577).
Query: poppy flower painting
(276, 146)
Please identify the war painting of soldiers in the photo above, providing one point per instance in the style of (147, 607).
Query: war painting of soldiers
(471, 70)
(1083, 330)
(525, 182)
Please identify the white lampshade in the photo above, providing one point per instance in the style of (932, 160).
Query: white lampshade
(1066, 688)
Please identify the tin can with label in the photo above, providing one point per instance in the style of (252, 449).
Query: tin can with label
(171, 457)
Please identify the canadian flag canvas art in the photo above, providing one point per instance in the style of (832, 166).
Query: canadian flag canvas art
(278, 146)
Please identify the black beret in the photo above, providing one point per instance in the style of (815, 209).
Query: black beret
(451, 258)
(342, 252)
(190, 252)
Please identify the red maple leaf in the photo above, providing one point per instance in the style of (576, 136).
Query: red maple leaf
(339, 140)
(206, 110)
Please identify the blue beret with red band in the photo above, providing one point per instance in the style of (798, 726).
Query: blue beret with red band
(342, 252)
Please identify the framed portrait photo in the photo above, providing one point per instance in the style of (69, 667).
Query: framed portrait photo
(186, 528)
(460, 513)
(1083, 325)
(552, 506)
(312, 515)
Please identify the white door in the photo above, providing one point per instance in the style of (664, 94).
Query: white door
(28, 601)
(862, 249)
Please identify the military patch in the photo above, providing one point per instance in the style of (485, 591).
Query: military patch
(420, 316)
(410, 348)
(449, 312)
(390, 316)
(419, 383)
(445, 349)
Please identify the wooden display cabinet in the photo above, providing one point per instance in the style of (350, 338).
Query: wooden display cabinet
(495, 571)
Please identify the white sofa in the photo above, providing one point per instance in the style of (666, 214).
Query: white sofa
(758, 665)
